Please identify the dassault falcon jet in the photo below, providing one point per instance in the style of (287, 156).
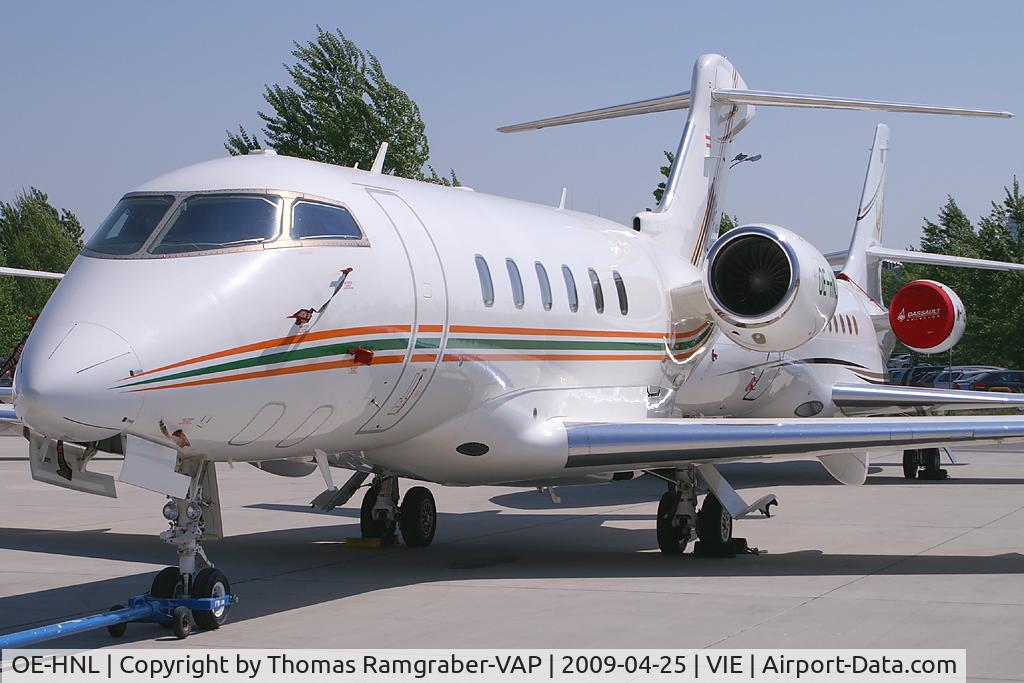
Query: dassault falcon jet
(302, 316)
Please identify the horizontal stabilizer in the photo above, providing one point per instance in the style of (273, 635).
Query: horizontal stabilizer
(873, 397)
(765, 98)
(755, 97)
(941, 259)
(651, 106)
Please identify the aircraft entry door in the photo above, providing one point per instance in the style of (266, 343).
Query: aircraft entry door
(430, 313)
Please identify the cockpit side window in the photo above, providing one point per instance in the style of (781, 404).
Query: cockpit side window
(313, 220)
(219, 221)
(130, 224)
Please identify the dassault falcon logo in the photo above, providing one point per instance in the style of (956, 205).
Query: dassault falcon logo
(917, 315)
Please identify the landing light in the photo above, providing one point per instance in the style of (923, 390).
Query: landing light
(193, 511)
(170, 511)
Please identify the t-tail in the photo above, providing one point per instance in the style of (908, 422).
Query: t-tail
(862, 262)
(720, 107)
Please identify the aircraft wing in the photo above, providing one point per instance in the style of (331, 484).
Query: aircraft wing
(604, 446)
(872, 398)
(21, 272)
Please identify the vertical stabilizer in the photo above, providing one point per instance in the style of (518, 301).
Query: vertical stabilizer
(686, 220)
(862, 267)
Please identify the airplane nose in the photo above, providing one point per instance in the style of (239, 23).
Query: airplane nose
(65, 384)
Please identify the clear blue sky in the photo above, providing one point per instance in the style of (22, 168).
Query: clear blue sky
(98, 97)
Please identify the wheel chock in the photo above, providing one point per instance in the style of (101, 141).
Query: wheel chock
(359, 542)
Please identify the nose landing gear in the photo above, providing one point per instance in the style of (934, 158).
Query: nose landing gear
(195, 577)
(380, 515)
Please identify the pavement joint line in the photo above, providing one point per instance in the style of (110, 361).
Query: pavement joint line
(876, 572)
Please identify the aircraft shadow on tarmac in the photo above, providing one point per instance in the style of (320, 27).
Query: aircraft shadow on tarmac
(288, 569)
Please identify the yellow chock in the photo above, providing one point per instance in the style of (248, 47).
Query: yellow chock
(363, 542)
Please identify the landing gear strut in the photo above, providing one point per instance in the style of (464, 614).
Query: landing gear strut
(380, 515)
(923, 463)
(679, 521)
(195, 576)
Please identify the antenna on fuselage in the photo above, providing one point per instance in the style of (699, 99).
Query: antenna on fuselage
(378, 162)
(561, 201)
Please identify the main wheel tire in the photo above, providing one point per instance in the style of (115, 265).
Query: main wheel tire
(931, 459)
(910, 464)
(181, 621)
(117, 630)
(672, 539)
(417, 518)
(167, 583)
(714, 526)
(210, 583)
(370, 527)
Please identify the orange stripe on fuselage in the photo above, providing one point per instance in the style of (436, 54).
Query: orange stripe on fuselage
(276, 372)
(430, 328)
(283, 341)
(481, 329)
(693, 332)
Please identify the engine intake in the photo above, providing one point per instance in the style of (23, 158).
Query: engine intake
(768, 288)
(752, 275)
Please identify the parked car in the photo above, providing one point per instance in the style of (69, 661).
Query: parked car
(964, 380)
(913, 376)
(927, 379)
(999, 380)
(900, 362)
(945, 379)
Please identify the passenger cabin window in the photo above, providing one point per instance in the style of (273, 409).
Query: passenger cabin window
(595, 282)
(130, 224)
(545, 285)
(570, 289)
(517, 282)
(316, 221)
(218, 221)
(486, 286)
(620, 288)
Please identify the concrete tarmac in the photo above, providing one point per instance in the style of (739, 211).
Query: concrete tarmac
(891, 564)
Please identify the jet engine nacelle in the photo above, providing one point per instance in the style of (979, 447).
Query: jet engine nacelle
(768, 288)
(927, 316)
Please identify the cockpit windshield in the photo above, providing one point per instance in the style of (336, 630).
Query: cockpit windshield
(219, 221)
(130, 224)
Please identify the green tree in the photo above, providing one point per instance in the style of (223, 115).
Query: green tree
(726, 224)
(994, 300)
(37, 236)
(339, 109)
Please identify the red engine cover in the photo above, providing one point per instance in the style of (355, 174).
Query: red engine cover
(927, 316)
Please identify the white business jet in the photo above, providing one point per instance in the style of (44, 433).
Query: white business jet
(841, 371)
(299, 316)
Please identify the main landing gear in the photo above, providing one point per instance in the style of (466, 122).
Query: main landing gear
(679, 520)
(381, 516)
(923, 463)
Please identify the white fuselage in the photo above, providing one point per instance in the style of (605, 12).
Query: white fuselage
(198, 350)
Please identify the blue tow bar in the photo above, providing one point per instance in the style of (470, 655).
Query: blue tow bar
(141, 608)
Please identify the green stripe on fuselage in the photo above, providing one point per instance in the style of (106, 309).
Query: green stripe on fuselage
(304, 353)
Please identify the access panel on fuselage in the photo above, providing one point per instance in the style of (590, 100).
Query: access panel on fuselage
(430, 312)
